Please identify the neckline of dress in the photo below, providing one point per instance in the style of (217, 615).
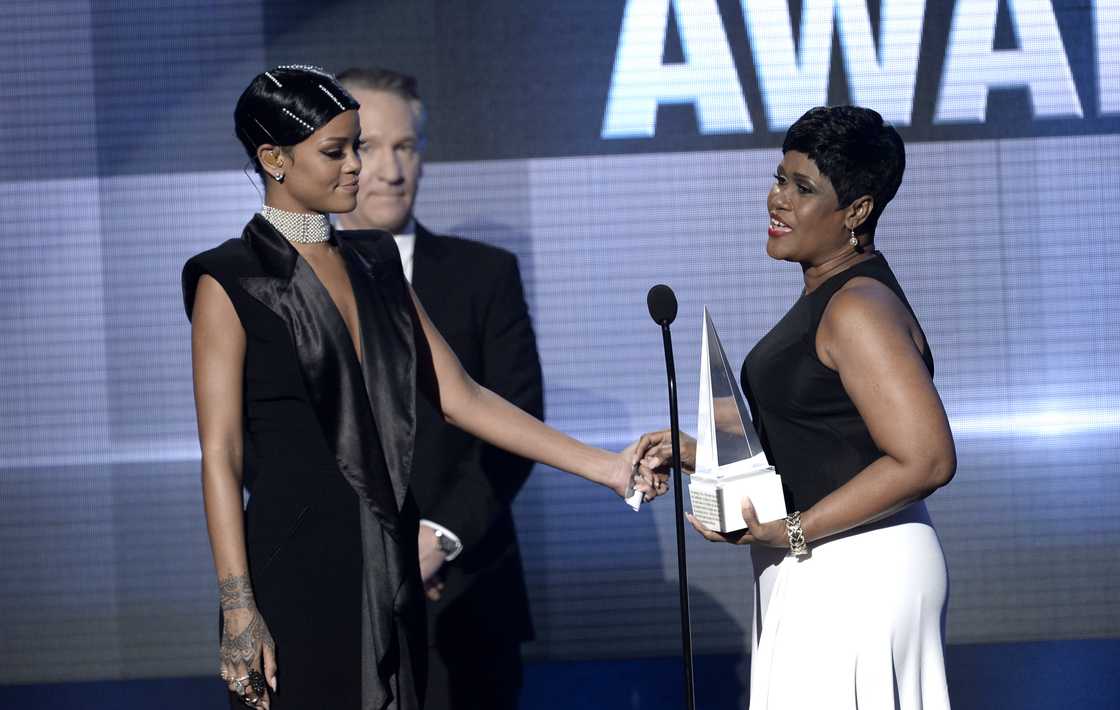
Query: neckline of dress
(876, 255)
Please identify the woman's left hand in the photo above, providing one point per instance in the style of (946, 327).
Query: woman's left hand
(771, 534)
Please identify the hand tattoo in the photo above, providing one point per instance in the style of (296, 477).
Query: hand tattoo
(245, 646)
(236, 592)
(242, 646)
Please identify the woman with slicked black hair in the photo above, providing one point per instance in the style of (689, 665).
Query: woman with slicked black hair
(308, 353)
(850, 588)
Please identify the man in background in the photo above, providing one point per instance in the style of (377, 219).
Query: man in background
(478, 611)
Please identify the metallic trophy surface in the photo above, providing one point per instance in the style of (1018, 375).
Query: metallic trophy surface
(730, 462)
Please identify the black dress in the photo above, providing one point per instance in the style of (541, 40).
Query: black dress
(330, 526)
(807, 423)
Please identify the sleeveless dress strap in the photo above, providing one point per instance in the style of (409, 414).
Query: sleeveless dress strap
(875, 268)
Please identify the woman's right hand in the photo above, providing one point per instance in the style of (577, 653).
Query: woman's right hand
(659, 451)
(247, 647)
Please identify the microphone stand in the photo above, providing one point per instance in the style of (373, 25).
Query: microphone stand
(678, 500)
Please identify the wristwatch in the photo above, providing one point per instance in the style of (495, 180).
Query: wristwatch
(449, 546)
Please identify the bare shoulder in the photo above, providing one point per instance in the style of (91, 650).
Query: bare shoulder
(863, 315)
(865, 302)
(212, 306)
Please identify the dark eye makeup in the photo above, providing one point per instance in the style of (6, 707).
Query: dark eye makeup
(781, 179)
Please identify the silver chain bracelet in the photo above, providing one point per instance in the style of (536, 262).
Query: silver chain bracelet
(797, 544)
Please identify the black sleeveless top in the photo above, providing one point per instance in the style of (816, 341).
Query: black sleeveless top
(807, 423)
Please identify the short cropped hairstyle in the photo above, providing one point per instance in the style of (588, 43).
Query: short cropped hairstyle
(856, 150)
(285, 105)
(393, 82)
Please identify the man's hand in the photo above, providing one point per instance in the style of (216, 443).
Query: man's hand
(431, 562)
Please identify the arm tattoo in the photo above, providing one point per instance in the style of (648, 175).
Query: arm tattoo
(236, 592)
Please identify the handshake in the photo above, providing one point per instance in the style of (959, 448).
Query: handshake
(735, 492)
(723, 510)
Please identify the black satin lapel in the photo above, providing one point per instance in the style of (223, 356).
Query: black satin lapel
(276, 255)
(333, 379)
(388, 355)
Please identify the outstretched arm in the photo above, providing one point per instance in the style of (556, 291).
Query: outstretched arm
(478, 411)
(506, 363)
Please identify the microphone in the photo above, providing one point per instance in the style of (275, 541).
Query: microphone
(662, 303)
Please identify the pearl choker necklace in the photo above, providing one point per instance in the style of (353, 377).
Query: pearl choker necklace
(301, 228)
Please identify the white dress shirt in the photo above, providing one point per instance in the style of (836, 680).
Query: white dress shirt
(406, 245)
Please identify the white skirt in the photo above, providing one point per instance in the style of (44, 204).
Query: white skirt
(857, 624)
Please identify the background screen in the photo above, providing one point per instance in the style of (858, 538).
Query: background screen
(611, 145)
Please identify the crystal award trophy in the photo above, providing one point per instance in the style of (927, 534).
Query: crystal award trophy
(730, 462)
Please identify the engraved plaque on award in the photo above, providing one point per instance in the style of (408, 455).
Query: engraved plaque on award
(730, 462)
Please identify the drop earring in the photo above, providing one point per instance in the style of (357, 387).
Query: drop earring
(854, 241)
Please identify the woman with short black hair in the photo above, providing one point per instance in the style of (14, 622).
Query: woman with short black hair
(850, 588)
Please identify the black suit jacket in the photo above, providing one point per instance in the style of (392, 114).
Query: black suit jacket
(473, 294)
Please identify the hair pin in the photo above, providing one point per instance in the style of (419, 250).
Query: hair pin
(304, 123)
(261, 126)
(336, 101)
(305, 67)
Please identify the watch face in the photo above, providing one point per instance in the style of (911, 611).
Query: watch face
(446, 545)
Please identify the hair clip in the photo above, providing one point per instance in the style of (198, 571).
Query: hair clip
(336, 101)
(261, 126)
(304, 123)
(305, 67)
(274, 79)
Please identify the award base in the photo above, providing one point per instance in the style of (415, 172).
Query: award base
(717, 496)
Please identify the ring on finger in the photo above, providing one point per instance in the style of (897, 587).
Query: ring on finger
(239, 686)
(257, 682)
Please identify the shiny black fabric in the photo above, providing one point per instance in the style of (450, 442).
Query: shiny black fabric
(364, 413)
(808, 425)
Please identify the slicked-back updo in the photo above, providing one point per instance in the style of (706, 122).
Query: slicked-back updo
(285, 105)
(856, 150)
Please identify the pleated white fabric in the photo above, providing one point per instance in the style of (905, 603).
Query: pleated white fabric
(857, 625)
